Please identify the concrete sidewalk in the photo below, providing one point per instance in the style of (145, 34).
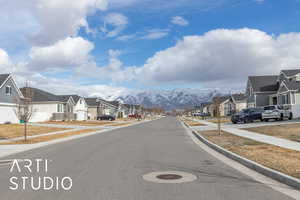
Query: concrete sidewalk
(264, 138)
(250, 135)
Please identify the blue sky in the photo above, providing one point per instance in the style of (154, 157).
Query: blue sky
(143, 44)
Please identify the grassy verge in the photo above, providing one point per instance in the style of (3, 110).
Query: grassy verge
(286, 131)
(17, 130)
(192, 123)
(50, 137)
(223, 120)
(81, 123)
(277, 158)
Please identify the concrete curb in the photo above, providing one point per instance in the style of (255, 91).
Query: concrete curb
(281, 177)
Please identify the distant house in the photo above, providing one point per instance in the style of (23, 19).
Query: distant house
(259, 88)
(47, 106)
(9, 96)
(80, 108)
(236, 103)
(92, 108)
(98, 107)
(221, 100)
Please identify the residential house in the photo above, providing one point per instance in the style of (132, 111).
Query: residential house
(47, 106)
(10, 95)
(92, 108)
(236, 103)
(259, 88)
(80, 108)
(221, 101)
(98, 107)
(288, 93)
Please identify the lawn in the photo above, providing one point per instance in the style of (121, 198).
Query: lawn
(50, 137)
(192, 123)
(223, 120)
(286, 131)
(277, 158)
(81, 123)
(17, 130)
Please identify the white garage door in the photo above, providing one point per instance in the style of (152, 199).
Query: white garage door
(7, 114)
(81, 115)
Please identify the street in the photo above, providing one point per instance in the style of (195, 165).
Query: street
(111, 166)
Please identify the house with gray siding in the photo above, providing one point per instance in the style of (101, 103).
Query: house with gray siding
(10, 95)
(50, 107)
(259, 88)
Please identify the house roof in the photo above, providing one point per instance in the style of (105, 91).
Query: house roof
(3, 78)
(221, 98)
(65, 98)
(291, 72)
(264, 83)
(40, 95)
(239, 97)
(293, 85)
(91, 101)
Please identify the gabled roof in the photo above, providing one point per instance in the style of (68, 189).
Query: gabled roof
(239, 97)
(264, 83)
(221, 98)
(40, 95)
(92, 102)
(65, 98)
(293, 85)
(291, 72)
(3, 78)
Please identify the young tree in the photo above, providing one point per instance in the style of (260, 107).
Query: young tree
(24, 110)
(217, 104)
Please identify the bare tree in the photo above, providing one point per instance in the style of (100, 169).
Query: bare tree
(217, 104)
(24, 110)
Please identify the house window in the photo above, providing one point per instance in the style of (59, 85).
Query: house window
(60, 108)
(80, 101)
(8, 90)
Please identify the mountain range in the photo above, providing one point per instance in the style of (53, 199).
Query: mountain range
(167, 99)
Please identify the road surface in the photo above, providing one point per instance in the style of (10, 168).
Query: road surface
(110, 166)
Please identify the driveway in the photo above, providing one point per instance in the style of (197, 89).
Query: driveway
(110, 166)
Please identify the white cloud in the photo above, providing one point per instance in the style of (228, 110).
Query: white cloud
(64, 54)
(179, 21)
(154, 34)
(5, 62)
(51, 20)
(114, 24)
(222, 58)
(259, 1)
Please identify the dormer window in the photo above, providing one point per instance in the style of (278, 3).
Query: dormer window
(8, 90)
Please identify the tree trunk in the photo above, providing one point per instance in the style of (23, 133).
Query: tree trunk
(25, 131)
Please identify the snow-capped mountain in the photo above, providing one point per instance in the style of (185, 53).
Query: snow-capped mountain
(167, 99)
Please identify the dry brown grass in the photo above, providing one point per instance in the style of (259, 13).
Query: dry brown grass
(121, 124)
(286, 131)
(223, 120)
(17, 130)
(193, 123)
(277, 158)
(81, 123)
(50, 137)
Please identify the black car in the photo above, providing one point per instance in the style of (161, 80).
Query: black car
(106, 117)
(247, 115)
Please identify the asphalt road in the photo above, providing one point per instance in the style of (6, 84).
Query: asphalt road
(110, 166)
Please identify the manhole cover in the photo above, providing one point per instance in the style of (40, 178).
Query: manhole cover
(169, 177)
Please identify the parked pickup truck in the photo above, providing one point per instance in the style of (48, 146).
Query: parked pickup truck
(276, 112)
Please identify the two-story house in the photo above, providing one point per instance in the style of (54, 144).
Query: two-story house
(80, 107)
(10, 95)
(259, 88)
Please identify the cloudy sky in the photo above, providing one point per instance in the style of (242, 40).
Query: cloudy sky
(109, 46)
